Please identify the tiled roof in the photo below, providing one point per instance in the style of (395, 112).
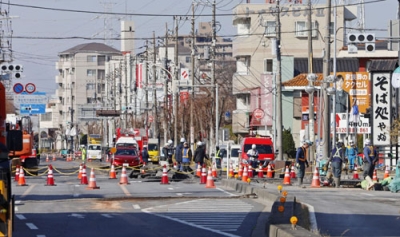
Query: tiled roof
(301, 81)
(342, 65)
(383, 65)
(91, 47)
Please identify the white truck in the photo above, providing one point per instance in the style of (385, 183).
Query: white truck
(94, 147)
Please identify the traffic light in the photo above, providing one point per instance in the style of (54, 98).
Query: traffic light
(368, 39)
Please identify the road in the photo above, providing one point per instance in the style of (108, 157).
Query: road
(137, 209)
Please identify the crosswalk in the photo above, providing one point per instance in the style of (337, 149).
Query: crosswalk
(222, 215)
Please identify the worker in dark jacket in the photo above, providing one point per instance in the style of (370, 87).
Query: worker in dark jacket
(301, 160)
(370, 159)
(145, 155)
(199, 154)
(336, 159)
(178, 154)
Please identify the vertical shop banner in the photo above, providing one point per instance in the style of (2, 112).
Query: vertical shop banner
(381, 111)
(267, 98)
(357, 86)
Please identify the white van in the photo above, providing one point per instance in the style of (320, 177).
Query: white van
(233, 158)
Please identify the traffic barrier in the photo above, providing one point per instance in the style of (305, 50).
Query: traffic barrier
(250, 172)
(50, 178)
(17, 173)
(113, 174)
(245, 175)
(124, 178)
(54, 157)
(198, 171)
(269, 171)
(164, 178)
(260, 172)
(355, 173)
(292, 172)
(80, 172)
(84, 179)
(240, 173)
(374, 176)
(92, 181)
(214, 171)
(203, 178)
(231, 173)
(286, 178)
(210, 180)
(21, 178)
(315, 179)
(386, 175)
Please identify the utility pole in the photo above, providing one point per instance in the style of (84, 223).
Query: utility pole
(126, 58)
(155, 120)
(175, 88)
(325, 72)
(72, 119)
(278, 84)
(213, 81)
(166, 104)
(311, 85)
(146, 92)
(192, 78)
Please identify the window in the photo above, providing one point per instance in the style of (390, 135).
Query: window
(187, 59)
(90, 100)
(268, 65)
(46, 117)
(242, 65)
(91, 72)
(301, 29)
(90, 86)
(270, 28)
(331, 28)
(243, 29)
(91, 58)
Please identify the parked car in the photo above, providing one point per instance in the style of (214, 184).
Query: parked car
(125, 157)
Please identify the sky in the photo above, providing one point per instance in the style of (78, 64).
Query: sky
(39, 56)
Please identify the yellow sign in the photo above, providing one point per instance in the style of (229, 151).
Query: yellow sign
(113, 150)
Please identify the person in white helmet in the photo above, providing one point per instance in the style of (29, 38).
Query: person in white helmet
(351, 154)
(370, 159)
(199, 154)
(301, 160)
(253, 156)
(178, 154)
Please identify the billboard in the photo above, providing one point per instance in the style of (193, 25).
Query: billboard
(381, 108)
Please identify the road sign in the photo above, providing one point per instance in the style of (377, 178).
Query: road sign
(113, 150)
(258, 113)
(18, 88)
(30, 88)
(34, 98)
(28, 109)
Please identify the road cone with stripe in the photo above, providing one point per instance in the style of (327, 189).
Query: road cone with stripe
(231, 173)
(292, 172)
(286, 178)
(92, 181)
(84, 179)
(107, 158)
(250, 172)
(260, 172)
(47, 158)
(16, 173)
(315, 183)
(386, 175)
(124, 178)
(245, 175)
(21, 178)
(269, 171)
(210, 180)
(54, 157)
(113, 174)
(203, 178)
(80, 172)
(240, 172)
(198, 171)
(164, 178)
(50, 178)
(355, 173)
(374, 176)
(214, 171)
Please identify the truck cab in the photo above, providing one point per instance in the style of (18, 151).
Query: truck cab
(264, 146)
(154, 150)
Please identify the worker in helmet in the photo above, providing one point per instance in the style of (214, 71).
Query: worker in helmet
(337, 159)
(370, 159)
(351, 154)
(253, 156)
(199, 154)
(301, 160)
(178, 154)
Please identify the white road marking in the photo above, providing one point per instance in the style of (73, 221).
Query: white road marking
(15, 208)
(28, 190)
(80, 216)
(125, 190)
(313, 219)
(21, 217)
(136, 206)
(224, 191)
(171, 188)
(40, 235)
(367, 194)
(181, 194)
(107, 215)
(31, 226)
(18, 202)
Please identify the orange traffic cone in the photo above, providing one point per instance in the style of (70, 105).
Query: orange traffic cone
(269, 171)
(231, 173)
(386, 175)
(92, 181)
(164, 178)
(108, 158)
(286, 178)
(175, 166)
(113, 174)
(374, 176)
(124, 177)
(80, 172)
(355, 173)
(245, 174)
(50, 178)
(315, 179)
(203, 178)
(198, 171)
(292, 172)
(84, 179)
(260, 172)
(250, 172)
(47, 158)
(240, 173)
(17, 173)
(210, 181)
(214, 171)
(54, 157)
(21, 178)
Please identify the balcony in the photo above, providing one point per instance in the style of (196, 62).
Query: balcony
(63, 64)
(59, 79)
(243, 83)
(60, 92)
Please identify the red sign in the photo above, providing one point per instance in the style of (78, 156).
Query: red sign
(258, 113)
(151, 118)
(30, 88)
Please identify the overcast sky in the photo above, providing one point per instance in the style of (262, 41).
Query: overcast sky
(38, 56)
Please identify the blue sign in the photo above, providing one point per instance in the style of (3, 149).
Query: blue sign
(29, 109)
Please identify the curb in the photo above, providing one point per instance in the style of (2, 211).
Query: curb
(278, 224)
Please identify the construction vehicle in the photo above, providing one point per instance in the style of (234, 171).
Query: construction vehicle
(10, 140)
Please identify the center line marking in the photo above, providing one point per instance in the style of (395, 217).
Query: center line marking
(21, 217)
(125, 190)
(31, 226)
(28, 190)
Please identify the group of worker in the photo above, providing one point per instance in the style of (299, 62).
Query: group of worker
(339, 155)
